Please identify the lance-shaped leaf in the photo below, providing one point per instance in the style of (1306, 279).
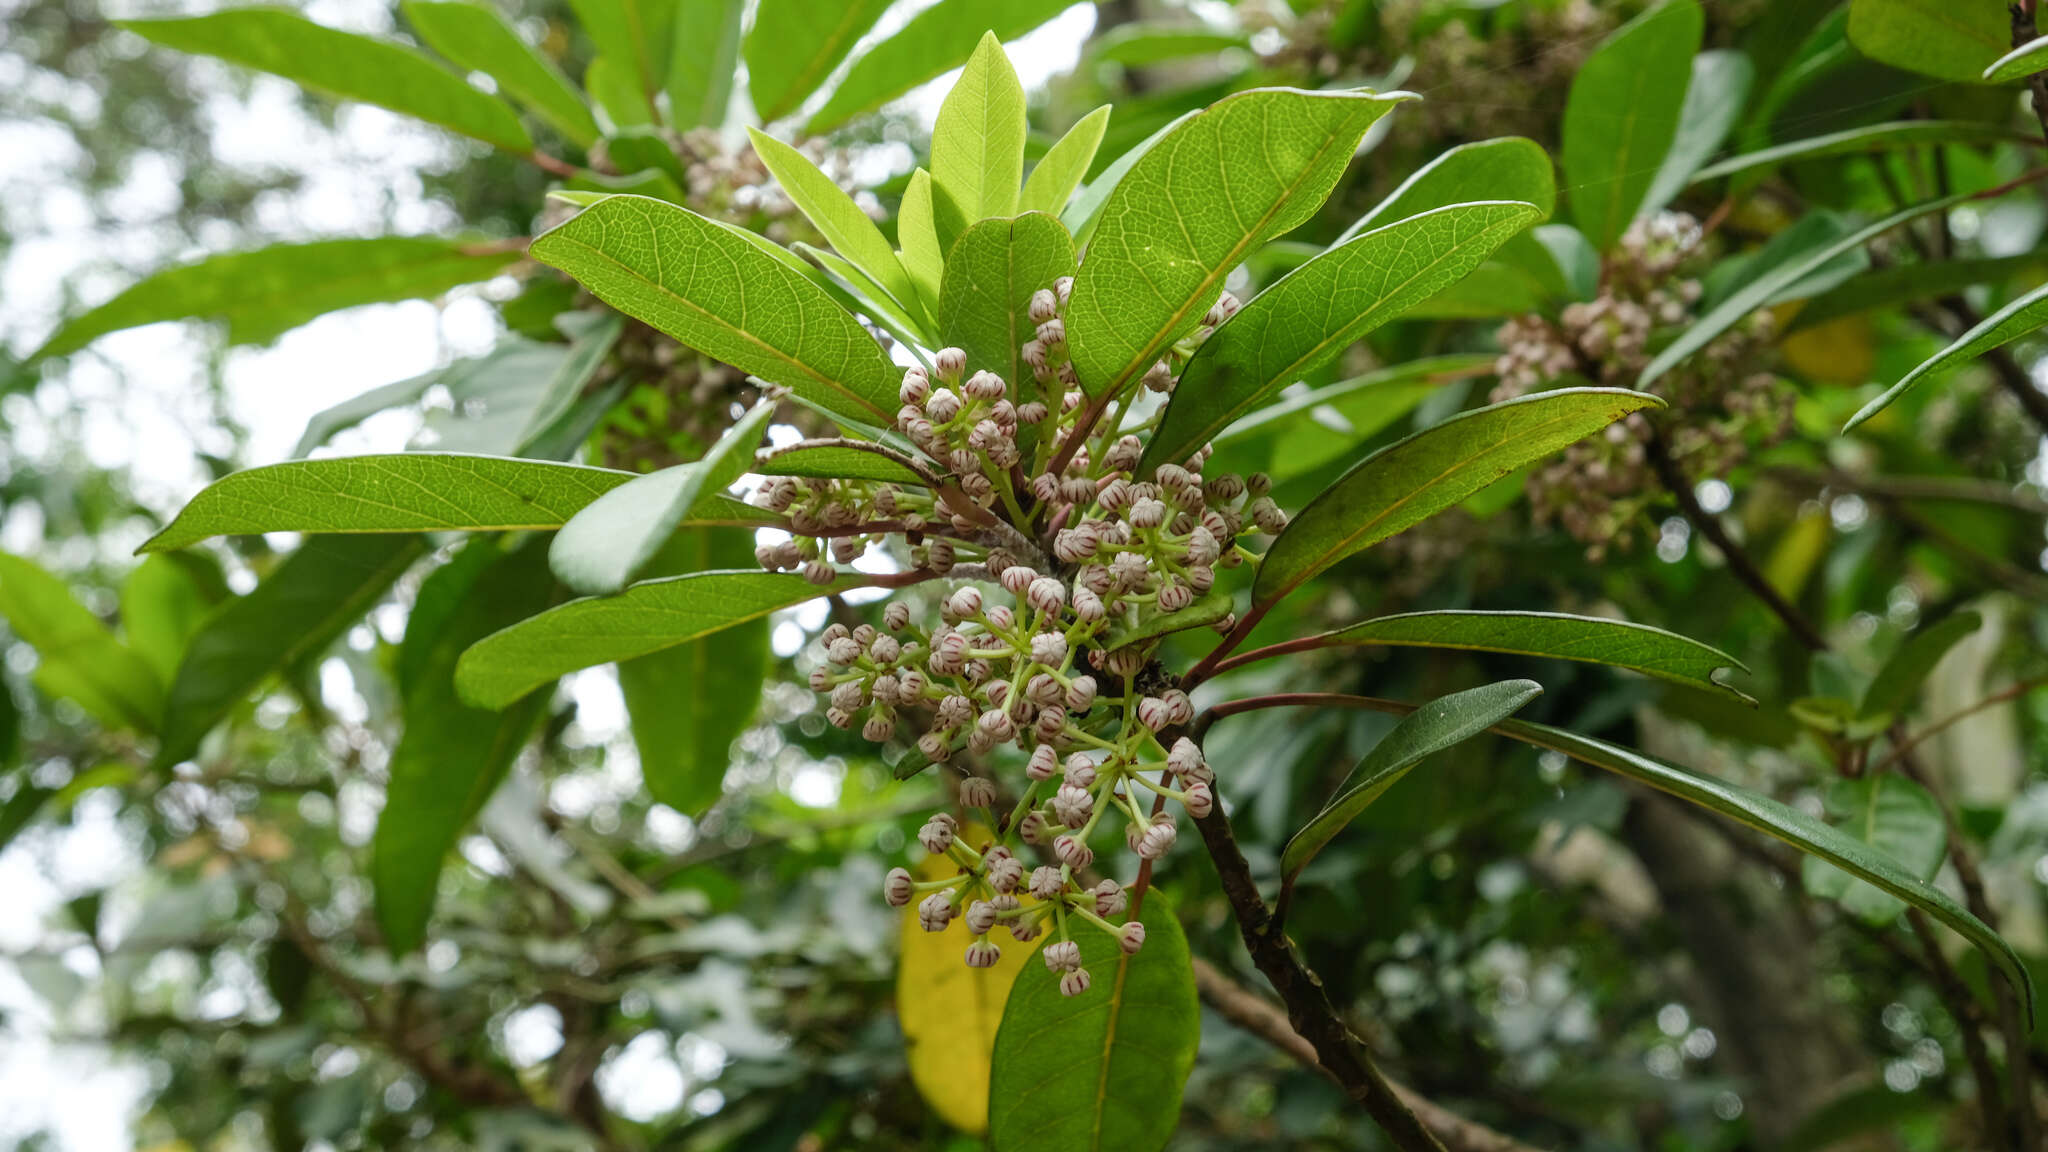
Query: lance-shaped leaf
(343, 65)
(1430, 729)
(934, 42)
(1315, 312)
(451, 757)
(401, 492)
(1509, 168)
(1788, 825)
(848, 461)
(1136, 45)
(1057, 173)
(1622, 114)
(917, 234)
(1207, 609)
(163, 603)
(978, 143)
(77, 656)
(648, 617)
(1896, 817)
(1760, 289)
(2022, 316)
(262, 294)
(1911, 283)
(842, 222)
(477, 38)
(1899, 680)
(1857, 141)
(704, 61)
(719, 293)
(1105, 1069)
(1552, 635)
(606, 543)
(1713, 103)
(1085, 212)
(2019, 63)
(294, 613)
(1932, 37)
(614, 82)
(991, 273)
(1221, 183)
(1405, 483)
(795, 44)
(635, 36)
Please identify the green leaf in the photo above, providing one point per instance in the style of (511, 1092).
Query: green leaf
(21, 808)
(1057, 173)
(1931, 37)
(934, 42)
(647, 617)
(262, 294)
(917, 231)
(162, 605)
(1207, 609)
(293, 614)
(2019, 318)
(605, 544)
(1136, 45)
(689, 703)
(704, 62)
(720, 294)
(1315, 312)
(477, 38)
(1713, 103)
(644, 147)
(1556, 636)
(978, 143)
(795, 44)
(1899, 680)
(1892, 815)
(342, 65)
(1085, 212)
(401, 492)
(615, 85)
(635, 35)
(2020, 63)
(1872, 139)
(837, 217)
(1509, 168)
(1105, 1069)
(325, 424)
(77, 657)
(1911, 283)
(1622, 115)
(1408, 482)
(991, 273)
(1760, 289)
(1430, 729)
(836, 462)
(1220, 184)
(450, 757)
(1786, 824)
(858, 293)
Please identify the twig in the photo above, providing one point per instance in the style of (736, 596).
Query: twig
(1953, 992)
(1901, 749)
(553, 166)
(2023, 32)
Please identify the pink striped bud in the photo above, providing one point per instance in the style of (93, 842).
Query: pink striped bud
(1033, 828)
(1049, 649)
(1081, 693)
(879, 727)
(936, 836)
(1124, 454)
(1080, 771)
(1046, 594)
(1044, 306)
(1199, 800)
(897, 888)
(1109, 898)
(980, 917)
(1131, 937)
(1074, 983)
(1046, 882)
(1005, 873)
(1072, 805)
(916, 387)
(1043, 762)
(983, 954)
(985, 385)
(949, 363)
(1018, 577)
(942, 406)
(1175, 596)
(1061, 955)
(934, 912)
(1031, 412)
(977, 792)
(1180, 709)
(1184, 757)
(1154, 713)
(1073, 852)
(935, 747)
(818, 572)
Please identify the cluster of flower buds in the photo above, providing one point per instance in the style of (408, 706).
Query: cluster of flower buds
(1034, 508)
(1721, 408)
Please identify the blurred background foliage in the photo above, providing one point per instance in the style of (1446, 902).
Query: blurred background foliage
(189, 958)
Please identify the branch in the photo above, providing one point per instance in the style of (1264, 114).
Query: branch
(2023, 32)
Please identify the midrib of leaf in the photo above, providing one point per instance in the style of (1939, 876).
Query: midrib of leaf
(1628, 123)
(807, 79)
(349, 608)
(1940, 15)
(1116, 1011)
(745, 333)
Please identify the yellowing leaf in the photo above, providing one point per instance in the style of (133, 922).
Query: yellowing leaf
(1838, 351)
(950, 1012)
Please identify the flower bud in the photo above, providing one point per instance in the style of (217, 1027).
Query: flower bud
(983, 954)
(1268, 516)
(1049, 649)
(896, 887)
(916, 387)
(1175, 596)
(1063, 288)
(1043, 690)
(939, 556)
(1159, 378)
(1072, 805)
(1032, 829)
(1043, 762)
(980, 917)
(820, 573)
(1131, 937)
(942, 406)
(1155, 840)
(1033, 353)
(879, 727)
(1051, 723)
(1053, 333)
(1200, 800)
(1109, 898)
(1024, 931)
(1046, 882)
(934, 912)
(1124, 454)
(1184, 757)
(949, 363)
(1154, 713)
(936, 836)
(1081, 693)
(1073, 852)
(821, 679)
(1047, 595)
(848, 696)
(1016, 578)
(977, 792)
(1074, 983)
(1032, 412)
(985, 385)
(964, 603)
(1088, 607)
(1061, 955)
(1000, 618)
(1073, 545)
(998, 725)
(842, 650)
(1179, 709)
(1005, 872)
(1225, 307)
(935, 747)
(1044, 306)
(1080, 771)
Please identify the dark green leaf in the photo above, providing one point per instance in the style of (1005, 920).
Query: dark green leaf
(1553, 635)
(651, 616)
(450, 757)
(1912, 283)
(721, 294)
(978, 143)
(1105, 1069)
(1936, 38)
(1405, 483)
(1223, 182)
(1892, 815)
(264, 293)
(704, 62)
(1057, 173)
(1207, 609)
(836, 461)
(2019, 318)
(21, 808)
(1430, 729)
(794, 45)
(934, 42)
(1622, 115)
(1323, 307)
(1856, 141)
(293, 614)
(343, 65)
(1713, 103)
(1898, 682)
(77, 657)
(477, 38)
(991, 273)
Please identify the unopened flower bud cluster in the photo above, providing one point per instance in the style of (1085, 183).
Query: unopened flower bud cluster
(1721, 406)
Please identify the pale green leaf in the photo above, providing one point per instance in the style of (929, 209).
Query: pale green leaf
(1713, 103)
(1223, 182)
(1622, 114)
(343, 65)
(719, 293)
(917, 232)
(1315, 312)
(2020, 63)
(1431, 728)
(1872, 139)
(614, 83)
(1938, 38)
(836, 461)
(704, 62)
(1508, 168)
(1552, 635)
(1151, 624)
(1057, 173)
(934, 42)
(1085, 211)
(162, 605)
(77, 656)
(650, 616)
(1896, 817)
(476, 37)
(1139, 44)
(978, 143)
(1893, 690)
(857, 292)
(842, 222)
(263, 293)
(795, 44)
(636, 35)
(1408, 482)
(991, 274)
(2019, 318)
